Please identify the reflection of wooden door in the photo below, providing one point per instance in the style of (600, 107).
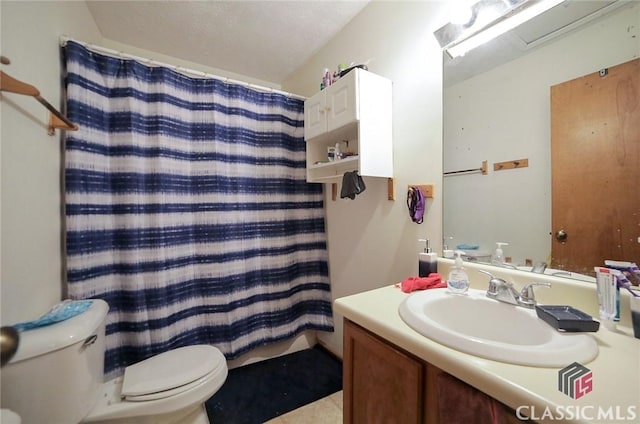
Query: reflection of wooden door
(595, 160)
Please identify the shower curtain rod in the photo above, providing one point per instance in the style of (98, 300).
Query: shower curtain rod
(116, 53)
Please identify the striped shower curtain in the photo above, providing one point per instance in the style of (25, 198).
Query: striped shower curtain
(188, 212)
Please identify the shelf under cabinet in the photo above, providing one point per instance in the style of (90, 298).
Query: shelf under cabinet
(336, 164)
(332, 171)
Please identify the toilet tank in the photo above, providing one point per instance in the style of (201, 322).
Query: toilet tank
(57, 370)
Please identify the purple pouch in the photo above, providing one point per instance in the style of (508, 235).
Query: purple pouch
(416, 203)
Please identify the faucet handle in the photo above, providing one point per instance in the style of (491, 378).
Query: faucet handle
(527, 295)
(494, 283)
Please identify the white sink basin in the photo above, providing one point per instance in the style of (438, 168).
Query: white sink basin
(495, 330)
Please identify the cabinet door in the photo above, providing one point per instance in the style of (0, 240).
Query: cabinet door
(315, 119)
(381, 384)
(342, 107)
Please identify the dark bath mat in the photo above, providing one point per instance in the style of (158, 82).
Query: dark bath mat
(258, 392)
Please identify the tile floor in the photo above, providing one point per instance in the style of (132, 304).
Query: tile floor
(324, 411)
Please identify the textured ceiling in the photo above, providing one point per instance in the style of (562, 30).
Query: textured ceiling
(266, 40)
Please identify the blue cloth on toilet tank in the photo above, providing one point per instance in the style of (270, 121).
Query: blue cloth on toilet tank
(62, 311)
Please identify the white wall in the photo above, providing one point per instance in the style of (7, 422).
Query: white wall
(31, 222)
(504, 114)
(372, 241)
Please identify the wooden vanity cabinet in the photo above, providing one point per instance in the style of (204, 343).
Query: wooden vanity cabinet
(384, 384)
(381, 384)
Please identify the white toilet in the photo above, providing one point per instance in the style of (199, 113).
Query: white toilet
(56, 377)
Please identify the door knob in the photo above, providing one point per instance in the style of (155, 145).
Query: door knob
(561, 235)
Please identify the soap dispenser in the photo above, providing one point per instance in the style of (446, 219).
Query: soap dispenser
(458, 281)
(427, 260)
(498, 257)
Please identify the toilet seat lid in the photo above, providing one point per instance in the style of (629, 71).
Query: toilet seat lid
(170, 369)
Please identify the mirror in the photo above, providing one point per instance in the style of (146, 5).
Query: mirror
(497, 109)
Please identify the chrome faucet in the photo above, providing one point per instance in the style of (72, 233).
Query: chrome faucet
(528, 296)
(504, 291)
(539, 267)
(503, 264)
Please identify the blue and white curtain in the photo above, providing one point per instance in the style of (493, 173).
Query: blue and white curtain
(188, 212)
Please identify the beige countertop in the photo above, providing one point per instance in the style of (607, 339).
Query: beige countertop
(615, 396)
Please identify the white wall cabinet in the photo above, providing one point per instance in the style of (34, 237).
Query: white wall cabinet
(356, 112)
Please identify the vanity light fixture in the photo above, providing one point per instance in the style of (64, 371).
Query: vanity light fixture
(490, 19)
(462, 12)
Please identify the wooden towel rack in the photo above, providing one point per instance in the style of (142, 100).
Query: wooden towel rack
(56, 119)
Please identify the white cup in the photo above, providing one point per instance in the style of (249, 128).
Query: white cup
(331, 153)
